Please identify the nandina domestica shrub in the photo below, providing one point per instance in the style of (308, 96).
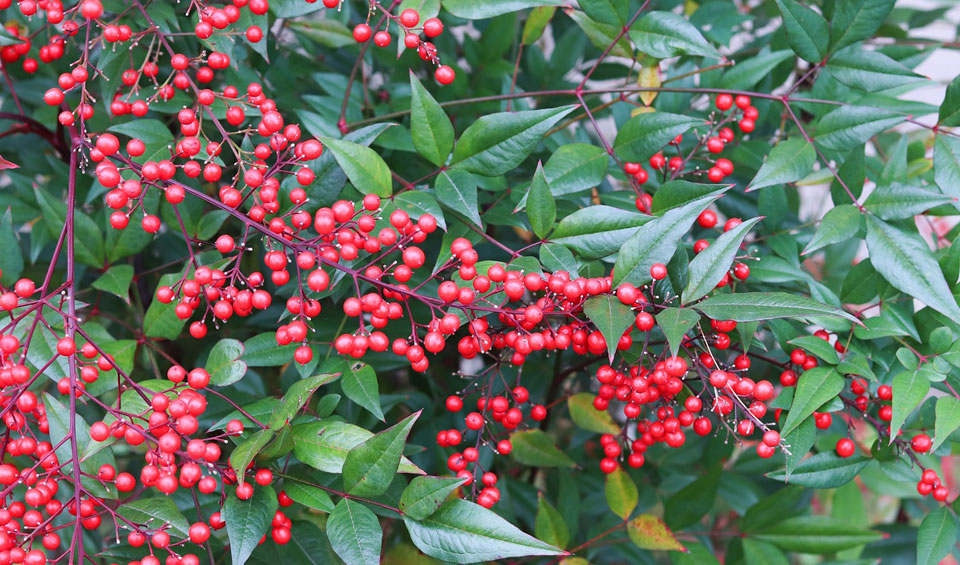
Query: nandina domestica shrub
(418, 281)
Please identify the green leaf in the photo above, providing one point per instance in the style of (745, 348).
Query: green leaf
(224, 364)
(416, 203)
(762, 553)
(839, 224)
(905, 261)
(815, 388)
(649, 532)
(597, 231)
(895, 201)
(950, 108)
(610, 12)
(464, 532)
(555, 257)
(549, 525)
(536, 23)
(116, 280)
(675, 323)
(483, 9)
(430, 127)
(909, 390)
(610, 316)
(88, 238)
(819, 347)
(759, 306)
(713, 263)
(574, 167)
(535, 448)
(621, 493)
(854, 20)
(457, 190)
(309, 496)
(326, 32)
(354, 533)
(585, 416)
(676, 193)
(693, 501)
(324, 445)
(371, 465)
(248, 521)
(154, 134)
(296, 397)
(947, 419)
(664, 34)
(851, 126)
(244, 453)
(645, 134)
(365, 168)
(815, 534)
(262, 351)
(800, 440)
(936, 536)
(497, 143)
(806, 29)
(11, 260)
(752, 70)
(823, 470)
(656, 242)
(541, 207)
(946, 164)
(789, 161)
(359, 383)
(602, 35)
(869, 70)
(156, 512)
(424, 495)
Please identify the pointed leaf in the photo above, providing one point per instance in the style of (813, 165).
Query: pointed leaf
(156, 512)
(906, 262)
(936, 536)
(839, 224)
(365, 168)
(869, 70)
(354, 533)
(621, 493)
(815, 534)
(656, 242)
(224, 364)
(248, 520)
(309, 496)
(324, 445)
(815, 388)
(611, 317)
(597, 231)
(819, 347)
(823, 470)
(950, 108)
(649, 532)
(807, 31)
(713, 263)
(664, 34)
(116, 280)
(359, 383)
(855, 20)
(789, 161)
(850, 126)
(645, 134)
(758, 306)
(11, 260)
(947, 419)
(549, 526)
(589, 418)
(909, 390)
(497, 143)
(244, 453)
(675, 323)
(457, 190)
(541, 207)
(483, 9)
(424, 495)
(464, 532)
(296, 397)
(895, 201)
(371, 465)
(430, 127)
(537, 449)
